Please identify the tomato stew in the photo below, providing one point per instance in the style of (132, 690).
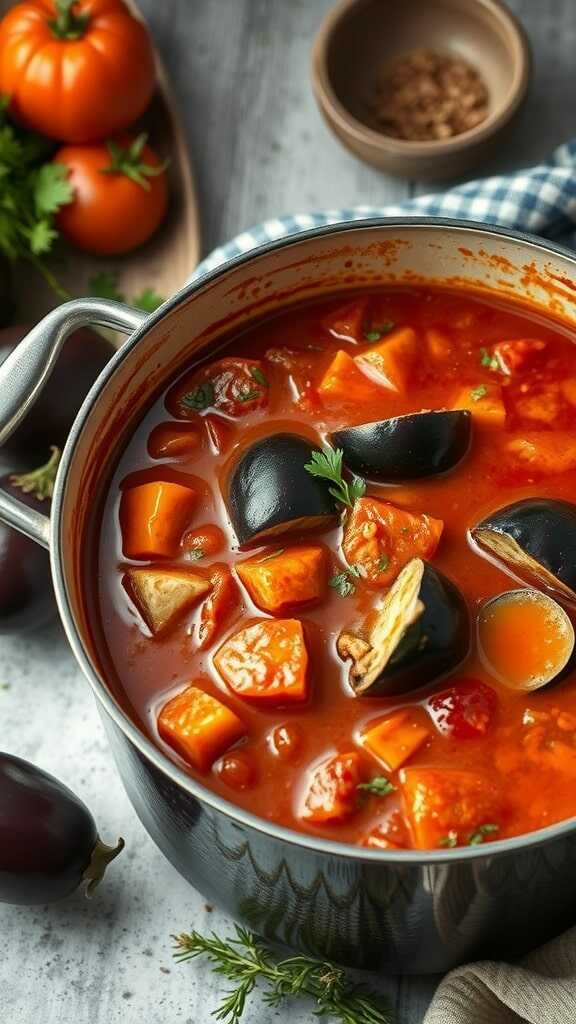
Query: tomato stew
(291, 606)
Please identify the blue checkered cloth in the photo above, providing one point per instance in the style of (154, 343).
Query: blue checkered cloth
(541, 200)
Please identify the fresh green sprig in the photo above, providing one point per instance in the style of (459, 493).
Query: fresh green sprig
(378, 786)
(245, 962)
(327, 465)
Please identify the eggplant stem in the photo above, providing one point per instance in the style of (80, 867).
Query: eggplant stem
(102, 856)
(39, 482)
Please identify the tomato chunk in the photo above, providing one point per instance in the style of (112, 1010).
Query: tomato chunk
(204, 541)
(332, 794)
(232, 386)
(393, 740)
(343, 382)
(392, 360)
(347, 322)
(153, 517)
(266, 662)
(464, 711)
(518, 355)
(381, 539)
(485, 403)
(450, 808)
(293, 577)
(219, 605)
(199, 727)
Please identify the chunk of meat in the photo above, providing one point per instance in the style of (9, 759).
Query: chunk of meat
(391, 362)
(393, 740)
(153, 517)
(541, 453)
(347, 322)
(465, 711)
(220, 604)
(485, 402)
(518, 355)
(266, 662)
(446, 807)
(232, 386)
(296, 576)
(164, 595)
(344, 383)
(380, 539)
(199, 727)
(333, 791)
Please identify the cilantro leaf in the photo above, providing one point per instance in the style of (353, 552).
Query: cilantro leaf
(259, 376)
(378, 786)
(477, 837)
(477, 393)
(40, 237)
(51, 188)
(327, 465)
(201, 398)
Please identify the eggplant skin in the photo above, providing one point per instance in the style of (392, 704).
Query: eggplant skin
(407, 447)
(534, 540)
(421, 633)
(47, 835)
(270, 491)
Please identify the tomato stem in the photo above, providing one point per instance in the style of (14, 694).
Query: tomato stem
(40, 482)
(128, 160)
(102, 856)
(67, 24)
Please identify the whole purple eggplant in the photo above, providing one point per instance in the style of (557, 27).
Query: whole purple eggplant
(49, 844)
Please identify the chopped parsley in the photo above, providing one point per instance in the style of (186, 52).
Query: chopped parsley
(450, 840)
(378, 786)
(477, 393)
(247, 396)
(383, 563)
(377, 332)
(259, 376)
(487, 360)
(195, 554)
(477, 837)
(343, 584)
(202, 397)
(327, 465)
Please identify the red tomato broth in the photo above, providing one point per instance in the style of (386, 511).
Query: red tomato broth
(532, 765)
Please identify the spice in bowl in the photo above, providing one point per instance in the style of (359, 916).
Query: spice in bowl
(425, 95)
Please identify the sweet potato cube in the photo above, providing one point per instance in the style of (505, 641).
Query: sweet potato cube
(343, 382)
(154, 517)
(381, 539)
(390, 363)
(163, 595)
(485, 403)
(445, 807)
(199, 727)
(395, 739)
(333, 791)
(293, 577)
(266, 662)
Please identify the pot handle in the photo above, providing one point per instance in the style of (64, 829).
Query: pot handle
(25, 372)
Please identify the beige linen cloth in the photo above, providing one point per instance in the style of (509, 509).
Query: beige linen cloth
(539, 989)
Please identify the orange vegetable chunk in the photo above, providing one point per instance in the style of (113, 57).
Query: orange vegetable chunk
(485, 403)
(199, 727)
(153, 517)
(164, 595)
(292, 577)
(381, 539)
(266, 662)
(332, 793)
(393, 740)
(173, 440)
(446, 807)
(391, 361)
(218, 606)
(343, 382)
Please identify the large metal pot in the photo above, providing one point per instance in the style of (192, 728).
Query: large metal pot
(407, 911)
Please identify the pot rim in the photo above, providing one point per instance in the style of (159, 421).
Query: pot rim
(313, 844)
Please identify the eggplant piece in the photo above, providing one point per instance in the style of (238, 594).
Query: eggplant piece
(49, 844)
(407, 447)
(534, 541)
(548, 639)
(421, 631)
(270, 492)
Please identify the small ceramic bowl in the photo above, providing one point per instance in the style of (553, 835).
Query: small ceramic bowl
(359, 37)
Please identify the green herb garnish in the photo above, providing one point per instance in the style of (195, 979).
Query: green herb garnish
(490, 362)
(343, 584)
(378, 786)
(377, 332)
(202, 397)
(105, 285)
(195, 554)
(259, 376)
(327, 465)
(450, 840)
(247, 396)
(477, 393)
(245, 960)
(383, 563)
(477, 837)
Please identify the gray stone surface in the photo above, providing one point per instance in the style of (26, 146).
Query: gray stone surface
(240, 68)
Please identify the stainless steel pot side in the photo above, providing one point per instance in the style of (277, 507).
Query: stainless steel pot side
(411, 911)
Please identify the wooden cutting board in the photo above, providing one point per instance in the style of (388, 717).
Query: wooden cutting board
(164, 263)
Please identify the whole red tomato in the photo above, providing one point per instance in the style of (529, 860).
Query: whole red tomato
(120, 195)
(76, 70)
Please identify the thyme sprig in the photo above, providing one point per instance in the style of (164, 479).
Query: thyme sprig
(245, 962)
